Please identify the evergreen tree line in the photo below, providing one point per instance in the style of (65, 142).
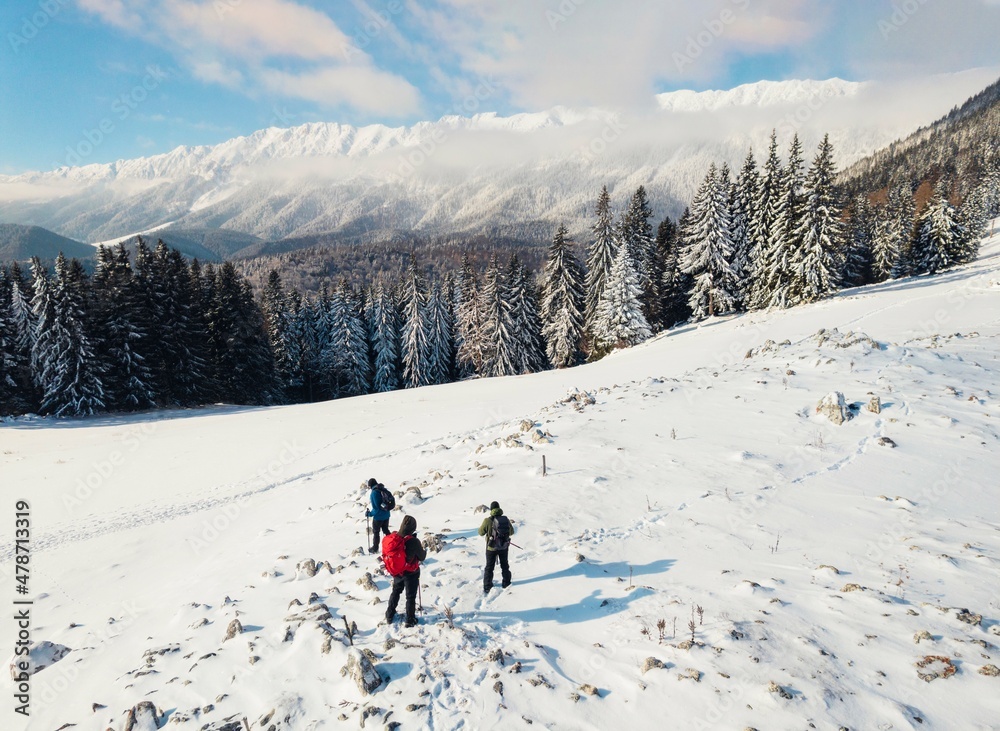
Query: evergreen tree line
(154, 330)
(779, 235)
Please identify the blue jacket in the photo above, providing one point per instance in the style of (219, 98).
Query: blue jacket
(376, 512)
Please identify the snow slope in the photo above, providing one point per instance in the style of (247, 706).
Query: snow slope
(692, 471)
(467, 174)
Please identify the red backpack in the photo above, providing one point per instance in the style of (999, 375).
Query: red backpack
(394, 555)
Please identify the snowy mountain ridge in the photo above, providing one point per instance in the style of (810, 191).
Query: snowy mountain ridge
(515, 176)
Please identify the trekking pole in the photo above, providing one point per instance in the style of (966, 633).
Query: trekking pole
(420, 597)
(515, 545)
(368, 528)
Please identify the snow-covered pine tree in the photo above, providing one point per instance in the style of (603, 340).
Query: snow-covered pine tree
(562, 303)
(277, 323)
(639, 231)
(708, 252)
(783, 259)
(351, 337)
(973, 218)
(900, 210)
(818, 238)
(441, 340)
(600, 256)
(8, 387)
(743, 204)
(675, 283)
(936, 233)
(767, 208)
(243, 360)
(21, 334)
(127, 378)
(619, 321)
(529, 351)
(468, 322)
(859, 244)
(884, 245)
(183, 332)
(383, 328)
(416, 328)
(500, 341)
(68, 369)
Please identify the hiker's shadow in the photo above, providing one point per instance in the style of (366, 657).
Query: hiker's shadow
(596, 570)
(594, 605)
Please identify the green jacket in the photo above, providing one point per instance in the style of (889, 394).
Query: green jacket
(484, 529)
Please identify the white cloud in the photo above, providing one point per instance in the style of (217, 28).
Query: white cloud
(278, 46)
(362, 88)
(582, 52)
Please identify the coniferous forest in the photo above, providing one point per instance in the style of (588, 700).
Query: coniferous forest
(150, 329)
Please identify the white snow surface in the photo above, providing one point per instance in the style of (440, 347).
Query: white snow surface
(691, 471)
(475, 173)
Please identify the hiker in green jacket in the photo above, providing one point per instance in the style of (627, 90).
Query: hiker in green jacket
(498, 529)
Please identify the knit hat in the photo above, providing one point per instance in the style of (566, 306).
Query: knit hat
(409, 526)
(494, 505)
(372, 482)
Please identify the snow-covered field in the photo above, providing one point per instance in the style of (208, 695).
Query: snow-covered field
(689, 480)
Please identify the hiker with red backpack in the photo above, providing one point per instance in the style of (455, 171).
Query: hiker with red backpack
(382, 502)
(402, 553)
(498, 529)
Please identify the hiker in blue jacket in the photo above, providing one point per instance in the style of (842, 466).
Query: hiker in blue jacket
(378, 514)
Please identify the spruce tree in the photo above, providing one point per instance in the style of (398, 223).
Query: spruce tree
(818, 239)
(441, 336)
(468, 322)
(68, 370)
(708, 253)
(639, 232)
(128, 380)
(619, 320)
(562, 303)
(782, 259)
(8, 386)
(767, 208)
(383, 328)
(500, 341)
(936, 234)
(600, 256)
(20, 336)
(859, 249)
(526, 322)
(675, 283)
(278, 321)
(743, 205)
(900, 210)
(416, 329)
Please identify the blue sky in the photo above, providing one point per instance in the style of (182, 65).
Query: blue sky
(85, 81)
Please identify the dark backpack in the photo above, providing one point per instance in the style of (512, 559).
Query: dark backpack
(499, 536)
(386, 500)
(394, 555)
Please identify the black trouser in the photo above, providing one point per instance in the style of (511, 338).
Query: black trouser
(378, 525)
(410, 581)
(491, 565)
